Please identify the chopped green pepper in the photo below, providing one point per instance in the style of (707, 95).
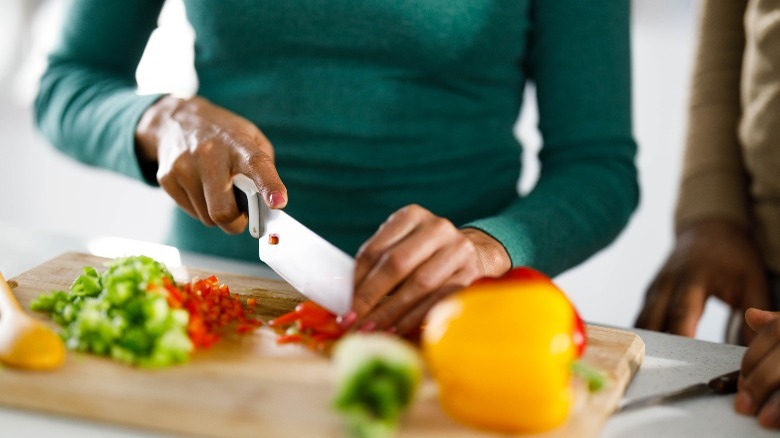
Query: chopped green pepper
(377, 378)
(122, 313)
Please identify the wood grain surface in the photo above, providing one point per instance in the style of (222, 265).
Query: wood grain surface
(249, 385)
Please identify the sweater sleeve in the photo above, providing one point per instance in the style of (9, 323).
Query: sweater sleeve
(714, 181)
(579, 61)
(87, 104)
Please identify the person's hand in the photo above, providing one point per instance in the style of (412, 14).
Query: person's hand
(415, 259)
(759, 384)
(712, 258)
(199, 147)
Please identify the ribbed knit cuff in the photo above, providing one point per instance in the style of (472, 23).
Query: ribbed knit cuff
(712, 196)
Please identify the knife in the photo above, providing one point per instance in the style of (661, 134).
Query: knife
(725, 384)
(311, 264)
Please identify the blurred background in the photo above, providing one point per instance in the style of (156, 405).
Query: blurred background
(43, 192)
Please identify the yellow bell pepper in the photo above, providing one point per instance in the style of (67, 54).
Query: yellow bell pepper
(502, 350)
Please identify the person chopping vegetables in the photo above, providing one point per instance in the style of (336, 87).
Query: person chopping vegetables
(386, 127)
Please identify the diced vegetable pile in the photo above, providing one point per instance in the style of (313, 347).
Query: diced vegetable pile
(135, 313)
(211, 310)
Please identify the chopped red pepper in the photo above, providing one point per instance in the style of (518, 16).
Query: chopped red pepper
(211, 310)
(284, 320)
(288, 339)
(313, 326)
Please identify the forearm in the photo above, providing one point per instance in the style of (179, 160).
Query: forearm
(87, 104)
(580, 63)
(571, 214)
(714, 182)
(91, 116)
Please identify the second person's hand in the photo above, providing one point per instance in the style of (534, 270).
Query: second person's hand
(199, 146)
(415, 259)
(759, 385)
(712, 258)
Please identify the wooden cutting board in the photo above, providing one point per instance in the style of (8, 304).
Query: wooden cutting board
(250, 386)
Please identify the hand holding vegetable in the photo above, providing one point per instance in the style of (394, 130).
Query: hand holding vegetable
(713, 258)
(199, 147)
(415, 259)
(759, 387)
(502, 352)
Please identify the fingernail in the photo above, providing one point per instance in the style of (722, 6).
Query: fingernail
(743, 403)
(276, 199)
(346, 321)
(367, 326)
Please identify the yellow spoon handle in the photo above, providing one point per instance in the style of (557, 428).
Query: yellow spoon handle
(8, 301)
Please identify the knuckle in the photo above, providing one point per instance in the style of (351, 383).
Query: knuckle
(222, 215)
(166, 180)
(441, 225)
(368, 254)
(399, 215)
(181, 166)
(204, 148)
(257, 159)
(464, 245)
(412, 211)
(423, 283)
(248, 144)
(395, 264)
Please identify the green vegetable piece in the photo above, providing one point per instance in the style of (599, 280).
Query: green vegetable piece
(378, 376)
(122, 313)
(87, 284)
(595, 378)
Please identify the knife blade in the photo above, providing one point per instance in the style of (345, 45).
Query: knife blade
(313, 266)
(724, 384)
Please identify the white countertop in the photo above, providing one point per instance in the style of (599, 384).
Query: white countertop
(670, 361)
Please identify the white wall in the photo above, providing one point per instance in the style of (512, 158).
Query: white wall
(41, 189)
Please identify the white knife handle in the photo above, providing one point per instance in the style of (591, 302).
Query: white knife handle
(248, 200)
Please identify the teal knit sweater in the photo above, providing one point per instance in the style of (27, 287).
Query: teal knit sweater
(372, 105)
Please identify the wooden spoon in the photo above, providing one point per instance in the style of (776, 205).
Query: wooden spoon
(26, 342)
